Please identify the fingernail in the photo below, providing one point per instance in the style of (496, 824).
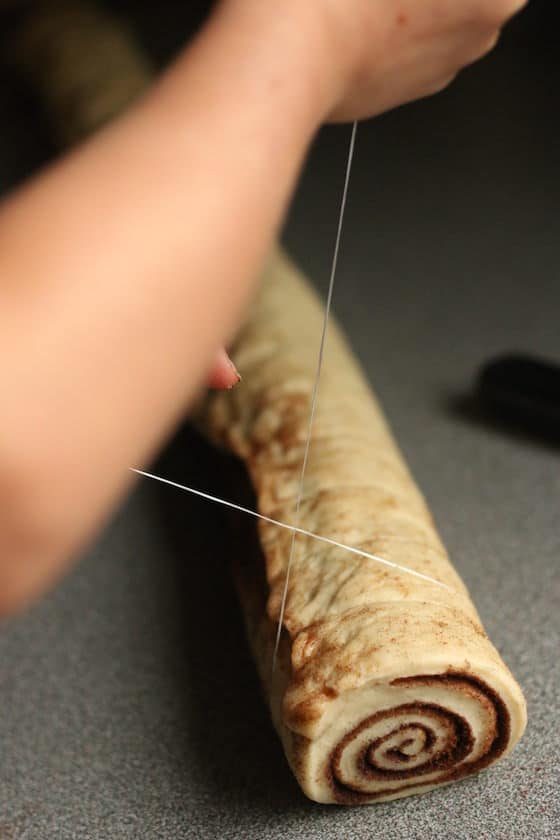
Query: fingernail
(237, 375)
(234, 370)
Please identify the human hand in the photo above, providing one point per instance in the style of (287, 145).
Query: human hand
(394, 52)
(373, 56)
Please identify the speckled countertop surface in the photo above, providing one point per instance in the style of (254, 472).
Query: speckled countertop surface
(129, 703)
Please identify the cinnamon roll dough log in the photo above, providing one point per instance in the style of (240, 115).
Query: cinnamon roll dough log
(386, 685)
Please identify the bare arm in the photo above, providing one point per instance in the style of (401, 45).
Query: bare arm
(125, 267)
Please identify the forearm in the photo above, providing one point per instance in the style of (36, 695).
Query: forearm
(126, 266)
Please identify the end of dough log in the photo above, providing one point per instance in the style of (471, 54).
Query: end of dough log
(396, 701)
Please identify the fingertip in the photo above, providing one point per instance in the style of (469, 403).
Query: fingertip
(224, 375)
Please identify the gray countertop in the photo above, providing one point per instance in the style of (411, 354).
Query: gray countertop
(129, 703)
